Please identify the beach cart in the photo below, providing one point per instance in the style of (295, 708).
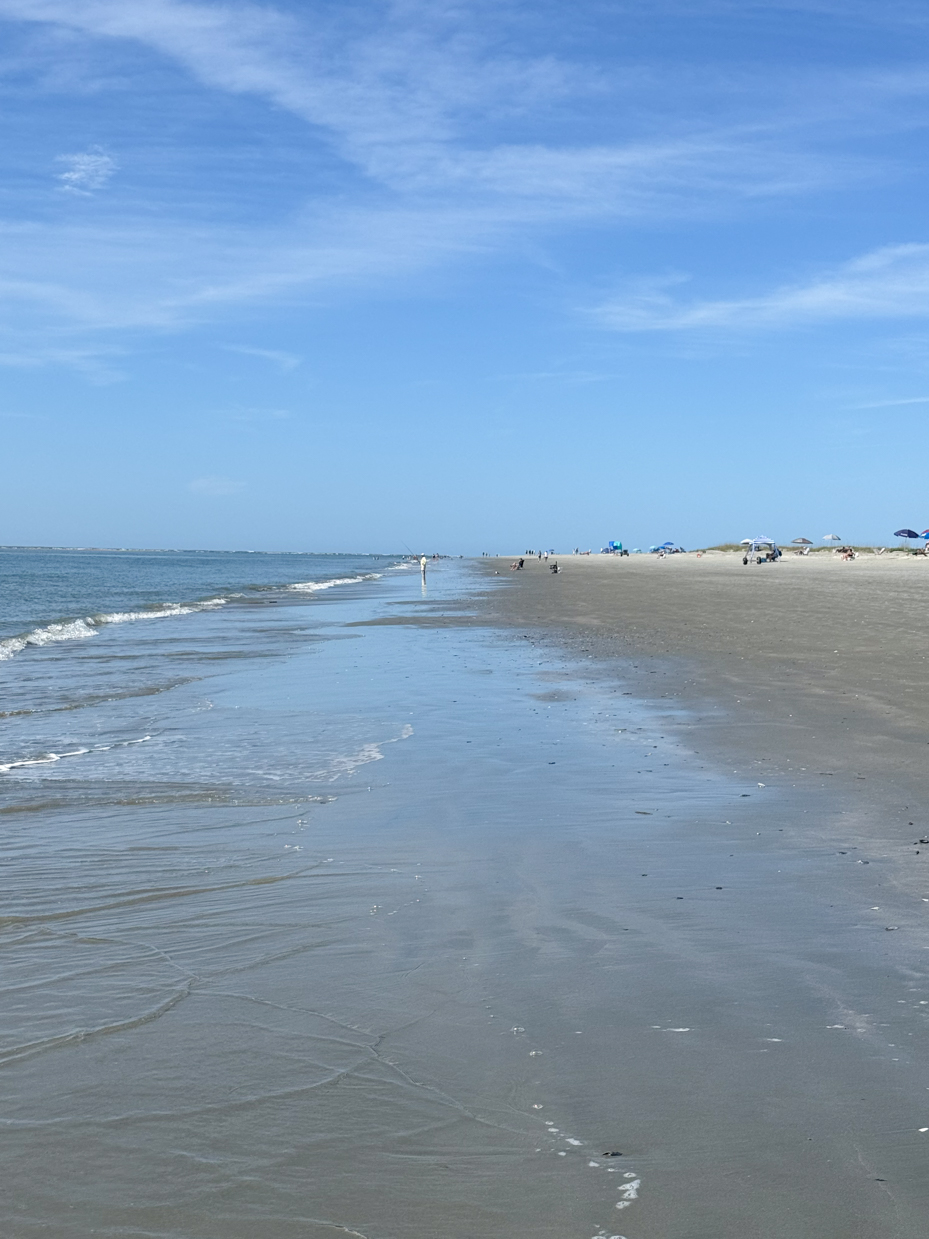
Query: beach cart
(761, 551)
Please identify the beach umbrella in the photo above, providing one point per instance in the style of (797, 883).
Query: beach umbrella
(831, 537)
(801, 542)
(906, 533)
(745, 542)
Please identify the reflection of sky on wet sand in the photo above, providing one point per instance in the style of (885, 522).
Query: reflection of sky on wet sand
(517, 964)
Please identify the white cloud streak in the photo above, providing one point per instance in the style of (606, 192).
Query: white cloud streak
(215, 487)
(86, 171)
(889, 283)
(402, 102)
(425, 107)
(888, 404)
(285, 362)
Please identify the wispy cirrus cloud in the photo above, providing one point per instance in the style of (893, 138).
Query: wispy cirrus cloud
(889, 404)
(285, 362)
(449, 145)
(214, 487)
(86, 171)
(891, 282)
(406, 77)
(420, 101)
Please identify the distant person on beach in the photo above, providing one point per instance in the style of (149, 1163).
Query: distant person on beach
(422, 564)
(553, 567)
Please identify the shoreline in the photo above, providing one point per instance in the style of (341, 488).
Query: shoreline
(824, 664)
(443, 923)
(787, 919)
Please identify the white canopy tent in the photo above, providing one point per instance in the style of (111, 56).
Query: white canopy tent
(765, 548)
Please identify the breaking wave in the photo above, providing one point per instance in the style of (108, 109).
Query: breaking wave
(90, 625)
(80, 629)
(46, 759)
(310, 587)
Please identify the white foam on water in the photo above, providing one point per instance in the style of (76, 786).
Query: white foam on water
(347, 765)
(70, 630)
(42, 760)
(80, 629)
(45, 759)
(168, 611)
(311, 587)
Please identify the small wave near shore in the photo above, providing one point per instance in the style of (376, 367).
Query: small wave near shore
(80, 628)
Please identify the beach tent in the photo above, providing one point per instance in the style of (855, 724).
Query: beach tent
(767, 545)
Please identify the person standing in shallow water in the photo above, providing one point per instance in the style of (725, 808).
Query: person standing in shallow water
(422, 564)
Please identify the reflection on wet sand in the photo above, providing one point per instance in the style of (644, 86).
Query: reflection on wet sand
(512, 961)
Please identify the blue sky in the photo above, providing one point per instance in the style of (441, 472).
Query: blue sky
(472, 276)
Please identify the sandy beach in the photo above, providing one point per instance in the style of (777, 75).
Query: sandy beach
(804, 683)
(809, 665)
(516, 906)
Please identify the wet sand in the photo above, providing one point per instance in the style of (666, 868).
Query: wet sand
(542, 961)
(793, 923)
(811, 668)
(811, 678)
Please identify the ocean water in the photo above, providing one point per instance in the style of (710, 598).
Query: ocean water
(329, 911)
(49, 596)
(90, 640)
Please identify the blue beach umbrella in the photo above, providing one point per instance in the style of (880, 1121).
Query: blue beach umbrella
(906, 533)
